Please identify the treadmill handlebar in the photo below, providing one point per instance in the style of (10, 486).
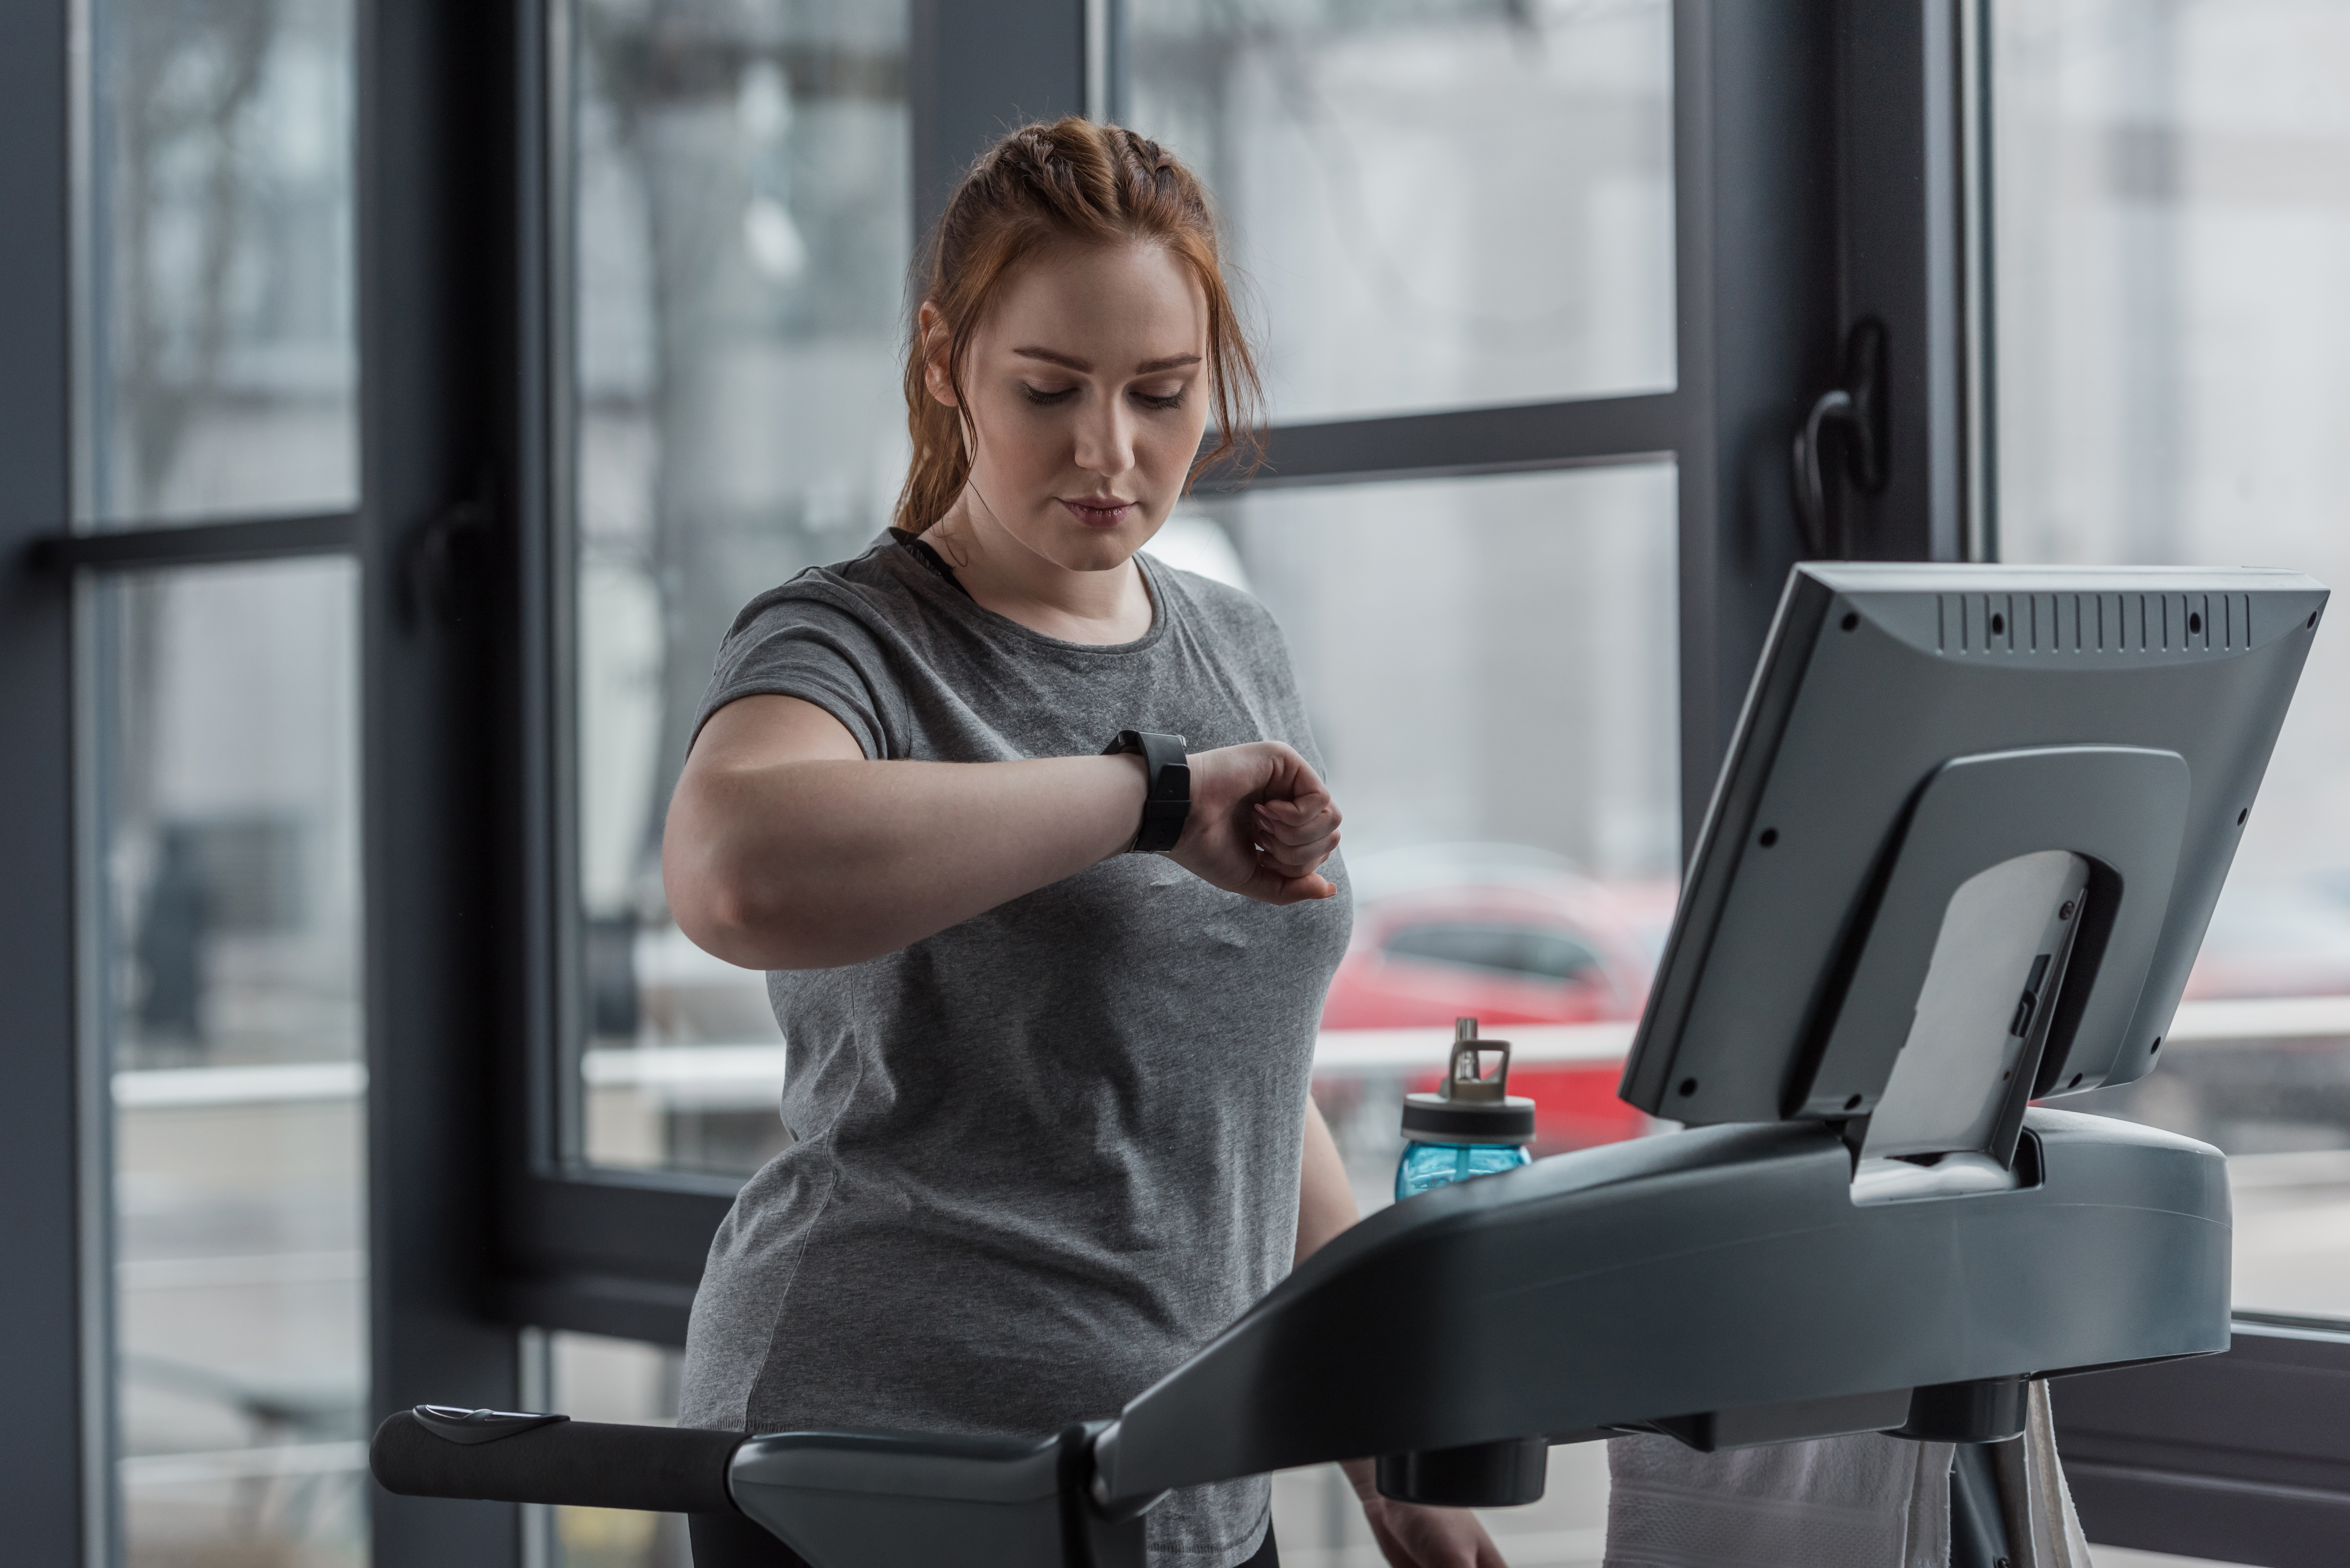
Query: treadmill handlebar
(434, 1451)
(840, 1500)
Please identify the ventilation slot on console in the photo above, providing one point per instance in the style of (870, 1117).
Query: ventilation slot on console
(2057, 625)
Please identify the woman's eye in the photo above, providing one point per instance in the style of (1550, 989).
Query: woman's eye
(1043, 398)
(1173, 399)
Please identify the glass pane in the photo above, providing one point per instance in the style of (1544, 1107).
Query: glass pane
(598, 1379)
(1492, 669)
(220, 365)
(227, 804)
(2172, 331)
(743, 197)
(1438, 203)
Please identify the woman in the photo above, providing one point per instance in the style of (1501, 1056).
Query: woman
(1048, 1098)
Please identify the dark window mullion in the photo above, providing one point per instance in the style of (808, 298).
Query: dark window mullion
(42, 1487)
(614, 1253)
(1456, 441)
(204, 543)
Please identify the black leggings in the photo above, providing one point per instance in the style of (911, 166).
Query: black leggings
(731, 1541)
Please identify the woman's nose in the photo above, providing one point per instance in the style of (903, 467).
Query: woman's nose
(1105, 440)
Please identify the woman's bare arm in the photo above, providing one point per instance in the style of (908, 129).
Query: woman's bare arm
(1326, 1201)
(785, 848)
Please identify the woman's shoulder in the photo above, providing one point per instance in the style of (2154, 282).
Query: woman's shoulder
(871, 589)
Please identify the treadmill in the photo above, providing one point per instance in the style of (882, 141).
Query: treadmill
(1959, 862)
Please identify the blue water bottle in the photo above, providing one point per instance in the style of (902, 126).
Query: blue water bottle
(1472, 1125)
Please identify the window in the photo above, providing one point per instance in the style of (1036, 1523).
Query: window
(741, 197)
(1437, 204)
(631, 358)
(2169, 221)
(225, 787)
(224, 1310)
(595, 1378)
(1523, 608)
(1490, 667)
(2171, 341)
(223, 377)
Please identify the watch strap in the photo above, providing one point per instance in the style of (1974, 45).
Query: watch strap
(1167, 787)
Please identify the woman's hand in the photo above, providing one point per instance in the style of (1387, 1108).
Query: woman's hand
(1411, 1535)
(1261, 824)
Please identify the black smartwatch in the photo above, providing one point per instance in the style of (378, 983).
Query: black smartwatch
(1167, 788)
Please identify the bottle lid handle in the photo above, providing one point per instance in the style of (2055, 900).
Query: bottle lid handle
(1464, 1080)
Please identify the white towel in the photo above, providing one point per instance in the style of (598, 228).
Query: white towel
(2033, 1498)
(1864, 1501)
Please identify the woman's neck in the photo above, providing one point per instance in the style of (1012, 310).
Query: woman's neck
(1003, 574)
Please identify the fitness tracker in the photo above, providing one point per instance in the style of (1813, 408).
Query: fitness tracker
(1167, 789)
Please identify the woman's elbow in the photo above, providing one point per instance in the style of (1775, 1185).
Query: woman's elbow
(719, 922)
(712, 899)
(746, 920)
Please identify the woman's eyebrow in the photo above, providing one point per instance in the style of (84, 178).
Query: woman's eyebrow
(1085, 367)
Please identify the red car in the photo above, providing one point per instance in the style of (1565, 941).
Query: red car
(1551, 948)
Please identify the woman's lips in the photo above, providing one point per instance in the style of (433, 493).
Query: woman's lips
(1096, 514)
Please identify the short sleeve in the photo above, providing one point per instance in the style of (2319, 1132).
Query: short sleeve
(801, 647)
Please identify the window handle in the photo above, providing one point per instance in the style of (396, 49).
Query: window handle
(1857, 407)
(446, 558)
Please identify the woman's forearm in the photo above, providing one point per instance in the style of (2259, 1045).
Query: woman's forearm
(812, 864)
(1325, 1198)
(785, 848)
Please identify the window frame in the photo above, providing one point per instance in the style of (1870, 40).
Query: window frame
(1834, 148)
(45, 1152)
(619, 1251)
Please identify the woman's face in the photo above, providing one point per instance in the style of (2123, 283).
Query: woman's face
(1088, 387)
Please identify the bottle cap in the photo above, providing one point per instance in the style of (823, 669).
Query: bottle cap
(1471, 1107)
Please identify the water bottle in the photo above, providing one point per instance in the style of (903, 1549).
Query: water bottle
(1472, 1125)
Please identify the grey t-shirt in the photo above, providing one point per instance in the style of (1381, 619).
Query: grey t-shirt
(1044, 1156)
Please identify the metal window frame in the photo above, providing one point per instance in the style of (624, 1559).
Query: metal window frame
(451, 315)
(44, 1381)
(2243, 1457)
(1826, 155)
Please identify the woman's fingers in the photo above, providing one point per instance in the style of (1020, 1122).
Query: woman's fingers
(1271, 888)
(1287, 865)
(1296, 823)
(1275, 850)
(1305, 855)
(1295, 836)
(1272, 850)
(1271, 884)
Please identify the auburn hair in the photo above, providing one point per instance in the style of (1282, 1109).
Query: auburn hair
(1041, 185)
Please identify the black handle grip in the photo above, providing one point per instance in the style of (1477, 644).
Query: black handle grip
(663, 1469)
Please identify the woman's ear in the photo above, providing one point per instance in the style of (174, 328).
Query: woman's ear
(937, 342)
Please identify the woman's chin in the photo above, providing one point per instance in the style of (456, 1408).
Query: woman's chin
(1077, 547)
